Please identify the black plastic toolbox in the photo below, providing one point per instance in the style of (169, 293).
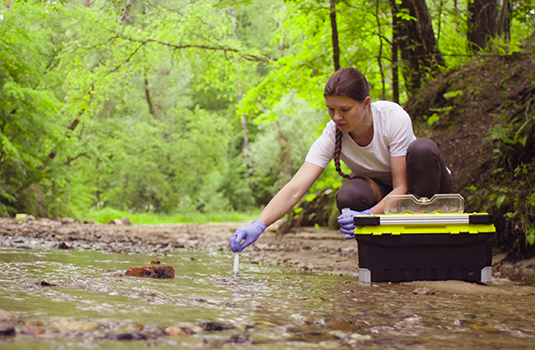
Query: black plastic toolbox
(411, 247)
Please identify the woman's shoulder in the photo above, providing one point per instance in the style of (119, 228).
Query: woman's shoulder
(386, 105)
(389, 110)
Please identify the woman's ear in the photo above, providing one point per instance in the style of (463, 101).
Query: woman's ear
(367, 101)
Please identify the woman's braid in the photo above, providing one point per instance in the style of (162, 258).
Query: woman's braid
(337, 151)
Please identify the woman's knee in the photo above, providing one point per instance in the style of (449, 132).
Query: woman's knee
(356, 194)
(422, 148)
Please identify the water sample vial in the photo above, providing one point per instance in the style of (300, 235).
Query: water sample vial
(346, 213)
(236, 268)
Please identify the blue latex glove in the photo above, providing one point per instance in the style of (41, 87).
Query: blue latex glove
(346, 223)
(248, 235)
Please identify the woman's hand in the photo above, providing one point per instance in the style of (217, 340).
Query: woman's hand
(248, 234)
(347, 225)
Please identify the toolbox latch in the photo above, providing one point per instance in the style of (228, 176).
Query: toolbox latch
(481, 219)
(366, 220)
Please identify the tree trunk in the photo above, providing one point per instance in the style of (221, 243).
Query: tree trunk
(127, 7)
(504, 22)
(148, 95)
(481, 23)
(380, 55)
(395, 63)
(245, 145)
(417, 42)
(286, 155)
(334, 31)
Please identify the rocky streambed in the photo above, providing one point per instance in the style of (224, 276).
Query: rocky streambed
(63, 285)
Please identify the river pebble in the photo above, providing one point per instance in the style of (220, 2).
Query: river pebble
(424, 291)
(151, 271)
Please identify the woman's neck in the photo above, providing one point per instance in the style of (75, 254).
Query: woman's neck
(363, 135)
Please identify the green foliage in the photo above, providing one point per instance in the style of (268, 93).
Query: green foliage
(140, 109)
(287, 134)
(29, 112)
(105, 215)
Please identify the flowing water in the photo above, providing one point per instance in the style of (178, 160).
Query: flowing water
(67, 299)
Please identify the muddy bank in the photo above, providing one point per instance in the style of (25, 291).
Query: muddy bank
(309, 249)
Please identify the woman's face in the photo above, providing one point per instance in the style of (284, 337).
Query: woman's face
(347, 113)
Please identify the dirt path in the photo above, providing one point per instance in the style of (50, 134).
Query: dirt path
(310, 249)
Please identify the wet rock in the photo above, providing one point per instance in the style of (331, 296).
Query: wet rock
(64, 245)
(127, 336)
(215, 326)
(67, 221)
(89, 222)
(68, 325)
(126, 221)
(424, 291)
(153, 331)
(154, 261)
(172, 330)
(115, 222)
(6, 316)
(239, 339)
(360, 337)
(44, 283)
(190, 328)
(151, 271)
(32, 330)
(7, 329)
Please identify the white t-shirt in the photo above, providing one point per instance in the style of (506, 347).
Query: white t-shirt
(392, 135)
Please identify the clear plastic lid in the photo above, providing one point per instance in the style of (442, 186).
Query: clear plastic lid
(438, 204)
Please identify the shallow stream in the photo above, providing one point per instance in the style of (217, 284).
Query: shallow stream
(66, 299)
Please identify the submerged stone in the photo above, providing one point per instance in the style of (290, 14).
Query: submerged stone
(64, 245)
(239, 339)
(7, 329)
(215, 326)
(151, 271)
(127, 336)
(47, 284)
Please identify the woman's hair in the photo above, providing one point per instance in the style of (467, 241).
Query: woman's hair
(351, 83)
(348, 82)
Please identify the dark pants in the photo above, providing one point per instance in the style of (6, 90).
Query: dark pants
(427, 175)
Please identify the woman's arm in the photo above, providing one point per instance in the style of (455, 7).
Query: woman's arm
(399, 182)
(291, 193)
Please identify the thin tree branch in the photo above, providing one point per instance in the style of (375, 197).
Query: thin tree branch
(225, 49)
